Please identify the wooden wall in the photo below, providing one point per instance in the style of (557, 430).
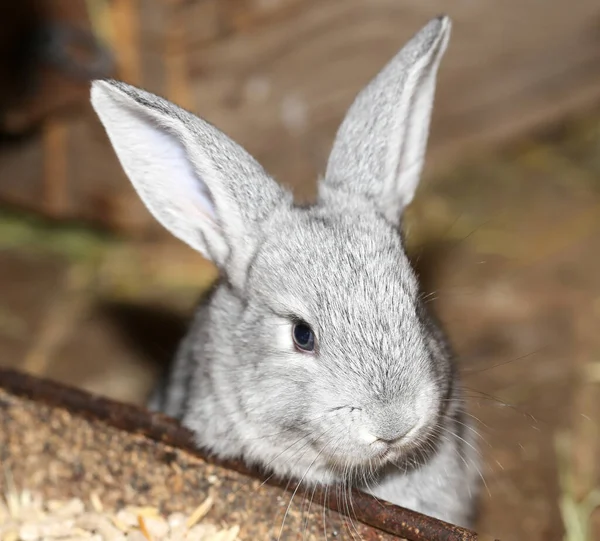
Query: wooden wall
(277, 75)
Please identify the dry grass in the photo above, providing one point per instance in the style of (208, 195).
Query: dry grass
(576, 513)
(25, 516)
(577, 472)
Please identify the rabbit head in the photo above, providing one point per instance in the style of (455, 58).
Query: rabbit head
(327, 337)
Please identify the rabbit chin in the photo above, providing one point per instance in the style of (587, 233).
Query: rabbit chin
(357, 464)
(357, 458)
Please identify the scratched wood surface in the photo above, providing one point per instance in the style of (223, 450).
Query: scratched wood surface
(277, 75)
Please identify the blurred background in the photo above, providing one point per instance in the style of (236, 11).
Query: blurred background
(505, 230)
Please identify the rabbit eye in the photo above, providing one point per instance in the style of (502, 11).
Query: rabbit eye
(303, 336)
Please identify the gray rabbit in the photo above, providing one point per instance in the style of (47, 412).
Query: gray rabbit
(313, 356)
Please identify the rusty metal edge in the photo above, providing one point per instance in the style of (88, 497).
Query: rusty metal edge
(385, 517)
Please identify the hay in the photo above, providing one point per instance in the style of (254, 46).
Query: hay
(25, 516)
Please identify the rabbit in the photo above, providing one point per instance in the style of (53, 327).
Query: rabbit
(313, 357)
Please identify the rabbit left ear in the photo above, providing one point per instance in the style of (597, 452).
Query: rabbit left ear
(198, 183)
(379, 150)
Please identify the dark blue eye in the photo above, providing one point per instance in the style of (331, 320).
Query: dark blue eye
(304, 338)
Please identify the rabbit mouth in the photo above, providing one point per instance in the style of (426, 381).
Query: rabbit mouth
(388, 455)
(368, 458)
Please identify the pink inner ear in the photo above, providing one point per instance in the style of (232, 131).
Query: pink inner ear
(196, 201)
(184, 188)
(196, 207)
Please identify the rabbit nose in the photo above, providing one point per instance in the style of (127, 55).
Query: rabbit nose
(392, 438)
(393, 427)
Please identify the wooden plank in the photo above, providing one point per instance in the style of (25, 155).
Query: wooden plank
(126, 39)
(175, 54)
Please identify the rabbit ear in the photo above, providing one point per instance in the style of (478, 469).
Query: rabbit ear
(379, 149)
(199, 184)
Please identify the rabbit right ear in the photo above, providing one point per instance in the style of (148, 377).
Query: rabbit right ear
(197, 182)
(379, 149)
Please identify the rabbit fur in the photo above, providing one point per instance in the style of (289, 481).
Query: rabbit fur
(378, 402)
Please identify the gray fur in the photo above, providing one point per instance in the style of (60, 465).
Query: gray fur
(382, 371)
